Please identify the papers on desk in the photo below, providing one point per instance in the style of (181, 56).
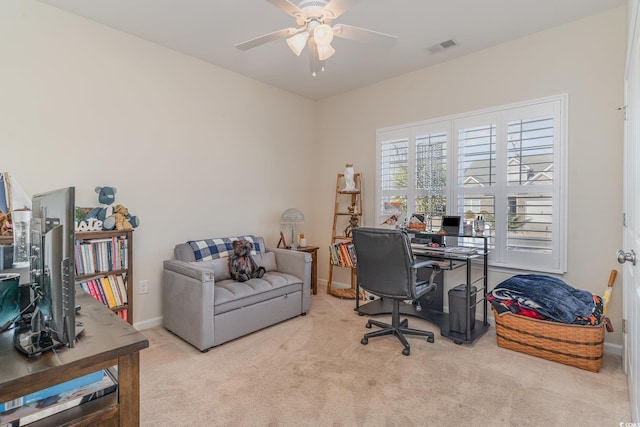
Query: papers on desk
(461, 250)
(458, 250)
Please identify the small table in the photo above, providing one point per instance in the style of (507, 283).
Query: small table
(313, 250)
(105, 342)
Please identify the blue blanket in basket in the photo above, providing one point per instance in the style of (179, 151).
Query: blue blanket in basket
(547, 295)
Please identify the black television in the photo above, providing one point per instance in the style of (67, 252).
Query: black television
(52, 322)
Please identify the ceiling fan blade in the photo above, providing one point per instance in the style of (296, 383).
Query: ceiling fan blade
(338, 7)
(266, 38)
(363, 35)
(287, 7)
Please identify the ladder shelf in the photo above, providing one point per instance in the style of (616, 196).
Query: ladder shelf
(347, 215)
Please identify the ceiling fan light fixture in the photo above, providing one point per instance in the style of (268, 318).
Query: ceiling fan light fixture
(314, 62)
(323, 35)
(298, 42)
(315, 19)
(325, 52)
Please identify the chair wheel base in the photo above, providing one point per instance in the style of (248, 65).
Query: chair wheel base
(368, 326)
(430, 339)
(364, 341)
(406, 351)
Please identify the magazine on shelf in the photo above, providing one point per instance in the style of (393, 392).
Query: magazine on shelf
(62, 401)
(51, 391)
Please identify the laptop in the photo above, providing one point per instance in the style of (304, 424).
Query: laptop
(451, 224)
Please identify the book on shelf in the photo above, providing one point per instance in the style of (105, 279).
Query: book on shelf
(100, 255)
(50, 391)
(103, 296)
(108, 289)
(108, 292)
(96, 291)
(351, 250)
(61, 401)
(123, 288)
(343, 254)
(115, 290)
(123, 314)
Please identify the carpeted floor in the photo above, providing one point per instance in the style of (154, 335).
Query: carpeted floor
(313, 371)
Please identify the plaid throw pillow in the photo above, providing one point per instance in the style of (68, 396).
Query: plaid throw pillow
(209, 249)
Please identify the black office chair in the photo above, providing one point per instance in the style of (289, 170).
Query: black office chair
(386, 267)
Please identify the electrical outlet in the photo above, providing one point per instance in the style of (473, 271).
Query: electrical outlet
(143, 287)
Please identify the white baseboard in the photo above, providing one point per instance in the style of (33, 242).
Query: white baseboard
(148, 323)
(610, 348)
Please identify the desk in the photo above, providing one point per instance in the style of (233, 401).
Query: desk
(313, 250)
(431, 303)
(106, 341)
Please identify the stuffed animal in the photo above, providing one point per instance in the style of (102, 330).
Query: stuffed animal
(120, 220)
(6, 228)
(107, 197)
(241, 265)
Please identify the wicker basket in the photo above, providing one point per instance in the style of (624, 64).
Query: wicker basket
(574, 345)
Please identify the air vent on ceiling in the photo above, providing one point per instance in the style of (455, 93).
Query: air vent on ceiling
(439, 47)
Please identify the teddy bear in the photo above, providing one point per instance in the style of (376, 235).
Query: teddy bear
(242, 266)
(6, 228)
(120, 219)
(108, 212)
(107, 198)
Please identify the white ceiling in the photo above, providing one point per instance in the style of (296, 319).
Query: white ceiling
(209, 30)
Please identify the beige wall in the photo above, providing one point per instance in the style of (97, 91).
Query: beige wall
(195, 151)
(584, 59)
(84, 105)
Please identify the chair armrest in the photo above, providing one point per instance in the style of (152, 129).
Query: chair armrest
(430, 264)
(423, 264)
(188, 298)
(297, 264)
(194, 271)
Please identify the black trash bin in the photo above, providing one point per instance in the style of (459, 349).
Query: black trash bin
(458, 309)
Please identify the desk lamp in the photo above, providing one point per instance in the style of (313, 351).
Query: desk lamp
(292, 216)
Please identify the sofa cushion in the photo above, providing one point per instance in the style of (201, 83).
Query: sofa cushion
(266, 260)
(219, 266)
(230, 295)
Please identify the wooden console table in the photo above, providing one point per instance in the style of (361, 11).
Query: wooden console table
(106, 341)
(313, 250)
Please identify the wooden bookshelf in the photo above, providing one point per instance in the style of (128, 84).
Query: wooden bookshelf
(348, 206)
(126, 272)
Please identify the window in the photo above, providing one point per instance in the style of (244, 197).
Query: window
(413, 170)
(506, 164)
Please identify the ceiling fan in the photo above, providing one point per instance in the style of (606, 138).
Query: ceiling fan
(314, 19)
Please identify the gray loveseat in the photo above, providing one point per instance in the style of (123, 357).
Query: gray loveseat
(205, 307)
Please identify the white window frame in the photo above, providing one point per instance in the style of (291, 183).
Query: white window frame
(411, 133)
(556, 261)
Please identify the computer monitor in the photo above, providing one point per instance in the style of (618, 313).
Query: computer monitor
(52, 322)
